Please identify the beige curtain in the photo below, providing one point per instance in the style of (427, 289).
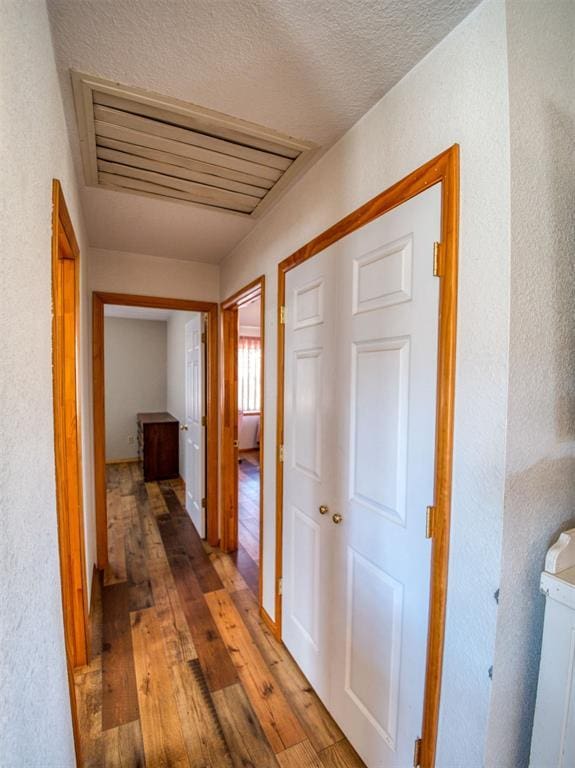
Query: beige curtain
(249, 363)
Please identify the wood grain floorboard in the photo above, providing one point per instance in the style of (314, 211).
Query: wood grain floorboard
(247, 567)
(116, 569)
(164, 743)
(178, 641)
(183, 671)
(204, 571)
(276, 717)
(156, 499)
(88, 688)
(341, 755)
(215, 660)
(301, 755)
(320, 728)
(119, 699)
(230, 576)
(122, 747)
(203, 734)
(246, 740)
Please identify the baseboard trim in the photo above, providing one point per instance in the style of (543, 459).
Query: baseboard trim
(122, 461)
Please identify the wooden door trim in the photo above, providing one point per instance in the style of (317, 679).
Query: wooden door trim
(444, 170)
(67, 445)
(229, 471)
(99, 300)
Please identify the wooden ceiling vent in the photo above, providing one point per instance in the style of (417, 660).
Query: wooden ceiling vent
(143, 143)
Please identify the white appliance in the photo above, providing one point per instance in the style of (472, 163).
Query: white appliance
(553, 741)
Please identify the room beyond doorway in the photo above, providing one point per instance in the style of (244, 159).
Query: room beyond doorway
(100, 301)
(242, 432)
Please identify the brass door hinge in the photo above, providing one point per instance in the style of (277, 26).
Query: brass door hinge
(281, 453)
(204, 337)
(282, 315)
(280, 586)
(429, 520)
(203, 421)
(437, 259)
(203, 503)
(417, 753)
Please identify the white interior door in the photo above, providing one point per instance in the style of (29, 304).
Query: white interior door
(194, 424)
(381, 444)
(308, 464)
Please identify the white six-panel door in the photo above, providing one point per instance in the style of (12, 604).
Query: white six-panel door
(379, 408)
(195, 432)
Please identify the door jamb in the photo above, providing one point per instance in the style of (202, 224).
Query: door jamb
(99, 299)
(444, 170)
(229, 421)
(67, 445)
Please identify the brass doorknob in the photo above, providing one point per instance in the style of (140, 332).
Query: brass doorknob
(337, 518)
(323, 510)
(184, 427)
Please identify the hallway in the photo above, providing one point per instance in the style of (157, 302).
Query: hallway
(183, 672)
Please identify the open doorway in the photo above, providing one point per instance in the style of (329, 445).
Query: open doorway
(154, 361)
(155, 404)
(249, 428)
(242, 446)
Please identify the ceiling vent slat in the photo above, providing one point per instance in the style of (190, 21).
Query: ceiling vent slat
(184, 162)
(210, 180)
(156, 146)
(201, 126)
(155, 128)
(235, 200)
(188, 150)
(125, 182)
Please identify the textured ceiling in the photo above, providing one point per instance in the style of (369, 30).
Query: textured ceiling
(310, 68)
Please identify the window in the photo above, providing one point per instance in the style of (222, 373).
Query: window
(249, 362)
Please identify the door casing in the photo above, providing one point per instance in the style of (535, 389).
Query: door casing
(444, 170)
(67, 441)
(99, 300)
(229, 420)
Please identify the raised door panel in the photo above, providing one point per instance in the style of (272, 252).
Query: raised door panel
(379, 413)
(306, 423)
(374, 605)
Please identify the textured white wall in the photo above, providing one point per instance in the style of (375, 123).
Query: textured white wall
(458, 93)
(176, 372)
(119, 272)
(35, 723)
(135, 367)
(540, 479)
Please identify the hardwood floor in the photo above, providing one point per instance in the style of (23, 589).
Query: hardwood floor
(249, 503)
(183, 672)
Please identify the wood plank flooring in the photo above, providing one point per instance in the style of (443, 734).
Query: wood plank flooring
(249, 503)
(183, 672)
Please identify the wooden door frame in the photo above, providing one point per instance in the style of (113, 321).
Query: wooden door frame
(444, 170)
(99, 300)
(229, 419)
(68, 442)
